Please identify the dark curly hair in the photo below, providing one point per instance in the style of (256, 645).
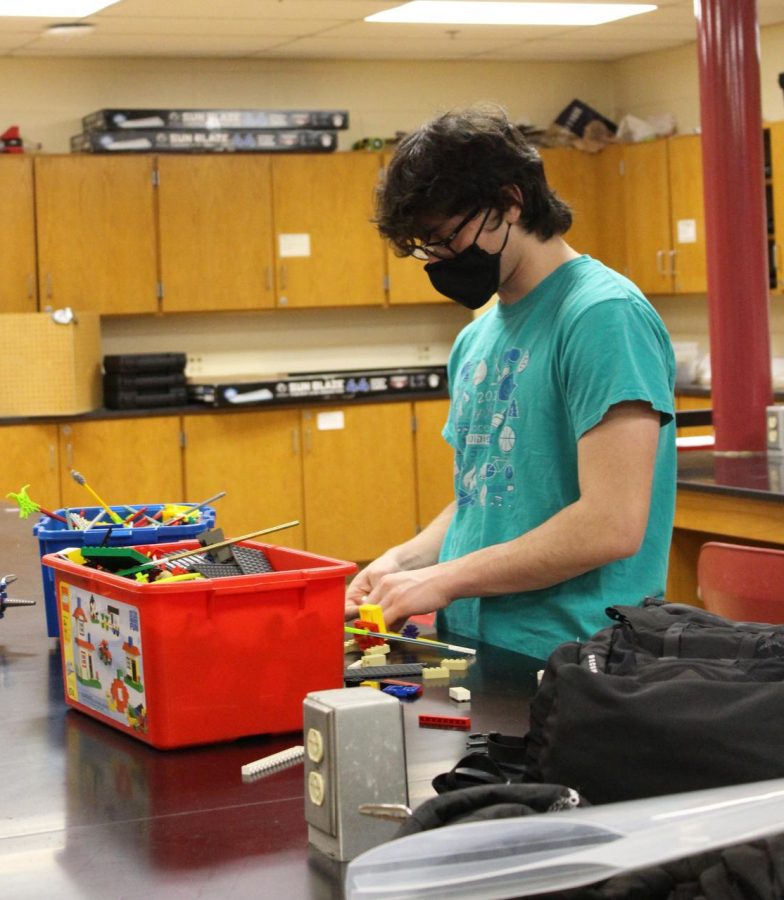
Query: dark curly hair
(459, 161)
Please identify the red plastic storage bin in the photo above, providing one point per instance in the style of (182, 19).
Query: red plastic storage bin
(197, 662)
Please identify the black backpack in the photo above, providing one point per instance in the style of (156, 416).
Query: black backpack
(669, 699)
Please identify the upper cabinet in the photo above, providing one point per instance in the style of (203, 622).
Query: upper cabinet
(96, 233)
(328, 250)
(591, 184)
(17, 249)
(215, 232)
(775, 196)
(664, 215)
(407, 281)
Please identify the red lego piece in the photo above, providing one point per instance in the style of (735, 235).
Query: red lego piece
(363, 640)
(11, 140)
(461, 722)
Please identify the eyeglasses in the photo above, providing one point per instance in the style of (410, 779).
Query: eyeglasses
(425, 251)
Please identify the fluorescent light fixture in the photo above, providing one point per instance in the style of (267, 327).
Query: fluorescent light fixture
(68, 30)
(53, 9)
(468, 12)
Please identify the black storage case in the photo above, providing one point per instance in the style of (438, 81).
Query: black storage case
(190, 119)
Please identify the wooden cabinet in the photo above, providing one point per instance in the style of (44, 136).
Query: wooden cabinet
(17, 248)
(664, 215)
(775, 198)
(591, 184)
(97, 233)
(256, 459)
(215, 225)
(328, 251)
(30, 456)
(434, 460)
(358, 465)
(134, 461)
(686, 401)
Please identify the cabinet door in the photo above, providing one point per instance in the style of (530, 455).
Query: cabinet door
(591, 184)
(407, 281)
(647, 216)
(17, 248)
(255, 458)
(30, 456)
(215, 226)
(358, 467)
(133, 461)
(777, 192)
(328, 251)
(434, 460)
(96, 233)
(687, 210)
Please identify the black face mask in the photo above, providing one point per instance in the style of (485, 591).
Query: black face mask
(471, 277)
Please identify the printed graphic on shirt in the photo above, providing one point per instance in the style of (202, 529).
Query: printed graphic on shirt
(487, 419)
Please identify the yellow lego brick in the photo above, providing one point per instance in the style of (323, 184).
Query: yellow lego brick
(371, 612)
(372, 684)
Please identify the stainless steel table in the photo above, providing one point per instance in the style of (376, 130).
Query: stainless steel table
(88, 812)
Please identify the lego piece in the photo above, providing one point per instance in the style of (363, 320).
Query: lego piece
(371, 684)
(461, 694)
(383, 648)
(411, 684)
(350, 646)
(373, 660)
(455, 665)
(273, 763)
(402, 691)
(352, 675)
(371, 612)
(409, 630)
(433, 672)
(366, 640)
(7, 602)
(460, 722)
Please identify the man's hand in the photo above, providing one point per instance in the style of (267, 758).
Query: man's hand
(363, 584)
(409, 593)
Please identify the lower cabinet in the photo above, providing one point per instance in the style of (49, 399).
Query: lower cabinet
(434, 461)
(358, 476)
(30, 456)
(687, 401)
(255, 457)
(134, 460)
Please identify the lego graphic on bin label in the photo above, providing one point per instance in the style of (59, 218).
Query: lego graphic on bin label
(103, 656)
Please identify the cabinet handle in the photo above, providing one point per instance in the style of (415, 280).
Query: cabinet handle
(673, 255)
(295, 441)
(69, 455)
(52, 457)
(283, 278)
(308, 435)
(30, 286)
(48, 285)
(268, 277)
(660, 262)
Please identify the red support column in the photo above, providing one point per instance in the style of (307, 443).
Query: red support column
(735, 224)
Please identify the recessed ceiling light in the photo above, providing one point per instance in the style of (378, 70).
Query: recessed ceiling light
(53, 9)
(69, 29)
(468, 12)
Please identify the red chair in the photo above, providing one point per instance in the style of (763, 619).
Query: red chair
(745, 584)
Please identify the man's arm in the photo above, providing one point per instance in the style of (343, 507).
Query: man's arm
(615, 465)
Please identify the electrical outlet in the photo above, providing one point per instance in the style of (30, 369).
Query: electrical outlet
(354, 753)
(423, 352)
(194, 364)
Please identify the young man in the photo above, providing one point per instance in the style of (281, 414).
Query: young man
(561, 413)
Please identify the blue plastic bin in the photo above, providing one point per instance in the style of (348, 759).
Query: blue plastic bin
(54, 535)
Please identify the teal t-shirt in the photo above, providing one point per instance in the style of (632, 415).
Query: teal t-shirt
(527, 380)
